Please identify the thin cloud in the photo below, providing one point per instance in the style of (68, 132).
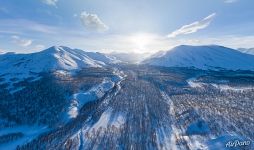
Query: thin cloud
(230, 1)
(39, 47)
(193, 27)
(20, 41)
(92, 22)
(24, 26)
(35, 48)
(50, 2)
(9, 32)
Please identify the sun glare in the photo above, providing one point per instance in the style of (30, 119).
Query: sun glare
(141, 41)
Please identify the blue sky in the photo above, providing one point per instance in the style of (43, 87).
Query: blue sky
(124, 25)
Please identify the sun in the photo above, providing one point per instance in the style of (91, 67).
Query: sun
(140, 41)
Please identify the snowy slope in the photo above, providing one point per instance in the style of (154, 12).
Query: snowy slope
(54, 58)
(203, 57)
(81, 98)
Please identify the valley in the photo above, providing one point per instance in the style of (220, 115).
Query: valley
(156, 108)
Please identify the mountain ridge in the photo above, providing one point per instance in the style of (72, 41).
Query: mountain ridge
(54, 58)
(203, 57)
(247, 50)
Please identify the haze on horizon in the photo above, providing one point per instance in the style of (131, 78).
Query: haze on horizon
(143, 26)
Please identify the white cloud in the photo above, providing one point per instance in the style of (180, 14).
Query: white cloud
(92, 22)
(230, 1)
(20, 41)
(193, 27)
(27, 44)
(50, 2)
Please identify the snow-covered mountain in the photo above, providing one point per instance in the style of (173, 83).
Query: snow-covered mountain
(54, 58)
(107, 59)
(203, 57)
(247, 50)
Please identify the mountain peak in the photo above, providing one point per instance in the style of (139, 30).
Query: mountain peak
(203, 57)
(53, 58)
(55, 49)
(216, 47)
